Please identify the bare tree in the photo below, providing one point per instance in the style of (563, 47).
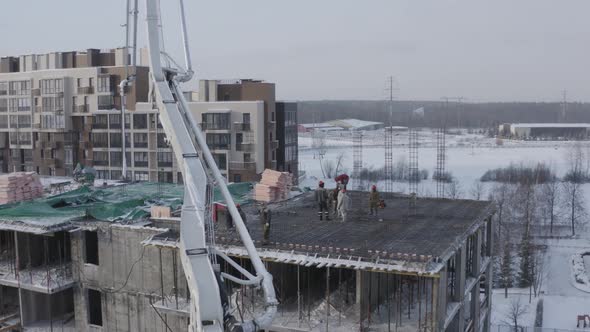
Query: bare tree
(500, 196)
(453, 189)
(339, 159)
(515, 312)
(329, 168)
(575, 176)
(549, 199)
(477, 190)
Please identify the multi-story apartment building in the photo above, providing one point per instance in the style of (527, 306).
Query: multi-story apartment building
(287, 153)
(248, 90)
(64, 108)
(51, 103)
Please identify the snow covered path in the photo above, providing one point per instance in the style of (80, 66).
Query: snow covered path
(562, 301)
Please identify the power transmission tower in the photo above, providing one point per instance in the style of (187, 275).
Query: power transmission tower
(389, 142)
(357, 155)
(563, 116)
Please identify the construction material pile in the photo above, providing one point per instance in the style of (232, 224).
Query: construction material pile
(19, 186)
(274, 186)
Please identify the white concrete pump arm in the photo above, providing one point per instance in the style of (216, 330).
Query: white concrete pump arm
(194, 158)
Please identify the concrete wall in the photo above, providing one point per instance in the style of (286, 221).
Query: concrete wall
(129, 276)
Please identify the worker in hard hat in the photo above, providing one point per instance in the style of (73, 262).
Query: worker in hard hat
(334, 201)
(265, 218)
(321, 198)
(344, 204)
(374, 200)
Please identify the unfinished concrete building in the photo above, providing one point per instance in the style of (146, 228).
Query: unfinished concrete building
(69, 262)
(426, 271)
(91, 260)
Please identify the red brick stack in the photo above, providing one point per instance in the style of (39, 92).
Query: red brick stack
(274, 186)
(19, 186)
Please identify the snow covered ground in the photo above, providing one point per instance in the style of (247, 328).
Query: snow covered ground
(469, 156)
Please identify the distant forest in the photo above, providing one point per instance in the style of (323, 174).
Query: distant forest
(471, 115)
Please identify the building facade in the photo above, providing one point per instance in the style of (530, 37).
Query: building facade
(51, 103)
(287, 135)
(64, 108)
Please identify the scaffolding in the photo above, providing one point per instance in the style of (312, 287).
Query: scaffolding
(388, 159)
(440, 175)
(357, 153)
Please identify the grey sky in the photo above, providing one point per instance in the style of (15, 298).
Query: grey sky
(501, 50)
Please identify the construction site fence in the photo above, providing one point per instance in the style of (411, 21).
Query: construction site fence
(507, 328)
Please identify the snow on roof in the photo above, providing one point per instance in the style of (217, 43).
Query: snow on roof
(550, 125)
(316, 125)
(353, 123)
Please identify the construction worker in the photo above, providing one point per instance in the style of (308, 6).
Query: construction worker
(321, 198)
(344, 204)
(265, 218)
(334, 200)
(374, 200)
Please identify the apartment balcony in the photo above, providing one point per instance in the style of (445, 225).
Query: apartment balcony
(101, 163)
(81, 109)
(59, 94)
(140, 163)
(218, 146)
(242, 166)
(213, 126)
(240, 126)
(141, 145)
(85, 90)
(246, 147)
(100, 126)
(36, 92)
(106, 107)
(164, 163)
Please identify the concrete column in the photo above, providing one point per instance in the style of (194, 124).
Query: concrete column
(477, 254)
(486, 327)
(440, 302)
(17, 270)
(490, 237)
(460, 275)
(359, 284)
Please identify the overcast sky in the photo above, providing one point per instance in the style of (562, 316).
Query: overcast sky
(501, 50)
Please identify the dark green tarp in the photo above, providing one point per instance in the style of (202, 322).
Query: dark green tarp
(117, 203)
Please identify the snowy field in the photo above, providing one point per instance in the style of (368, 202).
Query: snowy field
(469, 156)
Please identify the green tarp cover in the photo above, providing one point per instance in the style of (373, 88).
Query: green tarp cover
(118, 203)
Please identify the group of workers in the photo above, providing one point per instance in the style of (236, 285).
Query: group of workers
(339, 202)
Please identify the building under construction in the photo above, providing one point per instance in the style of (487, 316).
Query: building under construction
(94, 259)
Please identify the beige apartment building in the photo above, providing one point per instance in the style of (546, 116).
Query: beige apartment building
(64, 108)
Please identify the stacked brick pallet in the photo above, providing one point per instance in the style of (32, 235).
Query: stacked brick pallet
(273, 187)
(19, 186)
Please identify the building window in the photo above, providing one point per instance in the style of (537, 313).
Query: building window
(237, 178)
(140, 159)
(94, 307)
(101, 158)
(115, 121)
(165, 159)
(19, 88)
(141, 176)
(218, 141)
(140, 121)
(3, 105)
(220, 160)
(116, 140)
(104, 84)
(52, 86)
(100, 122)
(91, 247)
(105, 103)
(246, 118)
(3, 88)
(165, 177)
(100, 140)
(69, 156)
(216, 121)
(19, 105)
(140, 140)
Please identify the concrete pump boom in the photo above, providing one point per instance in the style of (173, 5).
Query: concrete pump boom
(199, 168)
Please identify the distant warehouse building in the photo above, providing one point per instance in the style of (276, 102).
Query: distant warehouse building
(545, 130)
(341, 125)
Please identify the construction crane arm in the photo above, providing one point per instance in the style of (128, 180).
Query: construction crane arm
(199, 169)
